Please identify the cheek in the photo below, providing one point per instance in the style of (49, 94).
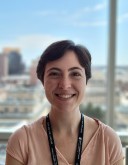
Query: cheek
(48, 90)
(49, 84)
(82, 87)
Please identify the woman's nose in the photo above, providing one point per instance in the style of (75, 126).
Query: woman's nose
(65, 83)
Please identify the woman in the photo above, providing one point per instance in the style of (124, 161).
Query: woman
(64, 136)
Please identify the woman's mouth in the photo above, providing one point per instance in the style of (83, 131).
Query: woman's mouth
(65, 96)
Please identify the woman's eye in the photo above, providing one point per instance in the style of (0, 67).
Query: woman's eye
(54, 74)
(75, 74)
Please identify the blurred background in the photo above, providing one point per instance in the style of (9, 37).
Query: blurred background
(28, 27)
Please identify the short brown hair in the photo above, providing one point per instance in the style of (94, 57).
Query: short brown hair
(57, 49)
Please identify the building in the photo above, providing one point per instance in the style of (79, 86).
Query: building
(3, 65)
(15, 64)
(16, 79)
(19, 102)
(98, 96)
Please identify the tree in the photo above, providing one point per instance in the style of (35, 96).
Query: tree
(93, 112)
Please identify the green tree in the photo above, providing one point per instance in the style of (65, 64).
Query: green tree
(93, 112)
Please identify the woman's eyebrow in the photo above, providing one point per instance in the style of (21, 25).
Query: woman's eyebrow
(54, 68)
(70, 69)
(74, 68)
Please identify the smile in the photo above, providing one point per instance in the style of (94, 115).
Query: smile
(64, 96)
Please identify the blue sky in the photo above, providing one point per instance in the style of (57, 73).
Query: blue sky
(31, 25)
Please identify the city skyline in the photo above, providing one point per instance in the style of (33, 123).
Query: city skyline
(32, 25)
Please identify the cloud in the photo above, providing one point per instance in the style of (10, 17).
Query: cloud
(90, 10)
(77, 17)
(80, 18)
(36, 40)
(90, 24)
(31, 46)
(99, 7)
(30, 41)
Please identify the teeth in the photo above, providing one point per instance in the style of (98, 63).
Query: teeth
(65, 96)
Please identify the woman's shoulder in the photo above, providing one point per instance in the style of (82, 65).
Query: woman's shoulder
(113, 144)
(22, 133)
(109, 132)
(111, 138)
(103, 129)
(34, 125)
(18, 143)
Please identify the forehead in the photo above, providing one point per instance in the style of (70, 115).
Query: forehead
(68, 60)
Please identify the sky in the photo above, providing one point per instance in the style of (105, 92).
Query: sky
(32, 25)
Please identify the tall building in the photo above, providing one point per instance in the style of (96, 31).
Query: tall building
(33, 76)
(3, 65)
(15, 64)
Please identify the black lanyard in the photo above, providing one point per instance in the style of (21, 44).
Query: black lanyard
(52, 145)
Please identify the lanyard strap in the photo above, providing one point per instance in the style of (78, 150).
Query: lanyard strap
(52, 145)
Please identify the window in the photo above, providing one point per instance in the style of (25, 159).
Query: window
(84, 22)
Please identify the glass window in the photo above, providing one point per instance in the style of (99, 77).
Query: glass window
(28, 27)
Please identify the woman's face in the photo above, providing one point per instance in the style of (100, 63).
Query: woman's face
(65, 82)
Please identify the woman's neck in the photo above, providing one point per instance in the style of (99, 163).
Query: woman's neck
(65, 122)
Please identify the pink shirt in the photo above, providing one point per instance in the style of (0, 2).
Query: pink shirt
(29, 145)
